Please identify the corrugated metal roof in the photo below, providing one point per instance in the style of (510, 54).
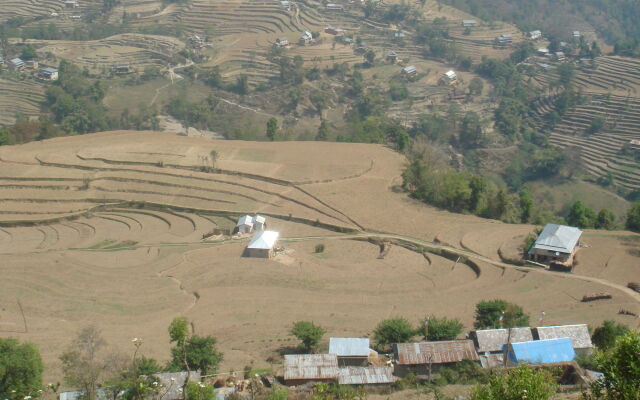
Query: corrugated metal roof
(579, 334)
(366, 375)
(558, 238)
(489, 340)
(344, 347)
(263, 240)
(172, 383)
(409, 70)
(434, 352)
(542, 351)
(245, 220)
(259, 218)
(310, 366)
(101, 394)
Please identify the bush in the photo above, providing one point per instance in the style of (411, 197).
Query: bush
(520, 383)
(309, 333)
(395, 330)
(489, 314)
(441, 328)
(604, 337)
(319, 248)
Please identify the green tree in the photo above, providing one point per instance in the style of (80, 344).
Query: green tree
(633, 217)
(605, 220)
(476, 86)
(596, 126)
(621, 369)
(520, 383)
(199, 391)
(272, 128)
(309, 333)
(526, 206)
(441, 328)
(370, 56)
(84, 363)
(398, 90)
(604, 337)
(28, 53)
(478, 187)
(498, 314)
(471, 130)
(20, 369)
(581, 216)
(394, 330)
(191, 351)
(323, 131)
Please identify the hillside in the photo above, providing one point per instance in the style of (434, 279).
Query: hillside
(107, 229)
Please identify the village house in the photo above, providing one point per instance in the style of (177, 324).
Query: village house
(334, 7)
(578, 334)
(576, 34)
(285, 5)
(302, 368)
(540, 352)
(409, 71)
(259, 223)
(71, 3)
(534, 35)
(634, 144)
(282, 42)
(373, 376)
(505, 39)
(173, 382)
(425, 357)
(398, 35)
(48, 74)
(489, 343)
(469, 23)
(244, 224)
(448, 78)
(306, 38)
(392, 56)
(31, 64)
(542, 51)
(196, 41)
(334, 31)
(559, 55)
(350, 351)
(556, 244)
(122, 69)
(76, 16)
(16, 64)
(262, 245)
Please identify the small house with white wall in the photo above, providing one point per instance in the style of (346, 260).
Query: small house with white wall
(259, 223)
(245, 224)
(350, 351)
(467, 23)
(556, 244)
(534, 35)
(262, 245)
(449, 78)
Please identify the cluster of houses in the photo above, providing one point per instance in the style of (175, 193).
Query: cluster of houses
(351, 361)
(19, 65)
(263, 244)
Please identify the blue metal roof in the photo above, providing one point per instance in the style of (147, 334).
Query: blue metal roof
(542, 351)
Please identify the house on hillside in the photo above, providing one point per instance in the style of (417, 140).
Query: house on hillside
(71, 4)
(173, 382)
(540, 352)
(556, 244)
(559, 56)
(490, 342)
(259, 223)
(425, 357)
(262, 245)
(576, 34)
(578, 334)
(350, 351)
(282, 42)
(285, 5)
(334, 7)
(505, 39)
(409, 71)
(303, 368)
(372, 376)
(48, 74)
(392, 56)
(31, 64)
(534, 35)
(16, 65)
(244, 224)
(334, 31)
(634, 144)
(306, 38)
(101, 394)
(468, 23)
(122, 69)
(398, 34)
(542, 51)
(448, 78)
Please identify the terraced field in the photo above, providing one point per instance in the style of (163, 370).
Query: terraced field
(611, 89)
(19, 96)
(136, 50)
(108, 229)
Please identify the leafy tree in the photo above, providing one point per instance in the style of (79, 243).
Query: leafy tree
(319, 100)
(490, 313)
(370, 56)
(191, 351)
(478, 187)
(398, 90)
(621, 369)
(28, 53)
(526, 206)
(394, 330)
(272, 128)
(605, 336)
(20, 369)
(596, 126)
(581, 216)
(471, 130)
(520, 383)
(323, 131)
(633, 217)
(84, 364)
(199, 391)
(441, 328)
(309, 333)
(605, 220)
(476, 85)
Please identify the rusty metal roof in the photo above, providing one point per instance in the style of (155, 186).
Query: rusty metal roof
(366, 375)
(310, 366)
(434, 352)
(489, 340)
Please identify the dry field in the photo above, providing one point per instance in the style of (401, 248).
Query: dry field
(19, 96)
(131, 258)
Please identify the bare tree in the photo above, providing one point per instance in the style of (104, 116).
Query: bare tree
(82, 364)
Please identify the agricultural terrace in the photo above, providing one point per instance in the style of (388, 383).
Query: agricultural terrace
(108, 229)
(19, 97)
(135, 50)
(612, 90)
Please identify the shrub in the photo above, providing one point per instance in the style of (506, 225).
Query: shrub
(319, 248)
(395, 330)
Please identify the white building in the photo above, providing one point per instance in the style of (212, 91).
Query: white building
(534, 35)
(449, 78)
(245, 224)
(262, 244)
